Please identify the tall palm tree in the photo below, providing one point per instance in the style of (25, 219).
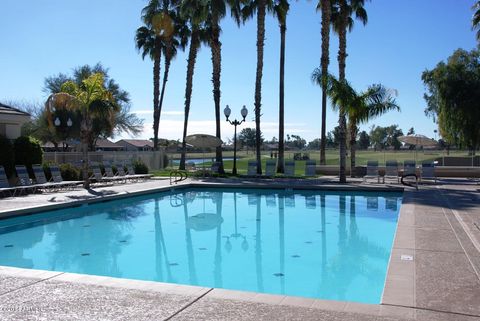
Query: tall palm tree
(196, 14)
(280, 9)
(342, 21)
(476, 18)
(325, 7)
(360, 107)
(177, 40)
(216, 12)
(151, 39)
(260, 8)
(150, 44)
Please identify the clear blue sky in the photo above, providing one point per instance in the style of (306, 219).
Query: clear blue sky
(402, 38)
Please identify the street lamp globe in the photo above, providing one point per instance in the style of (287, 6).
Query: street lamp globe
(244, 112)
(69, 122)
(57, 122)
(227, 111)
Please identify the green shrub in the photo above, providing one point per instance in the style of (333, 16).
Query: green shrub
(70, 172)
(140, 167)
(28, 151)
(6, 155)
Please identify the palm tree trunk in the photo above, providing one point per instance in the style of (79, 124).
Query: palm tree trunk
(261, 11)
(325, 60)
(353, 146)
(215, 46)
(156, 91)
(192, 57)
(168, 60)
(84, 133)
(281, 109)
(342, 56)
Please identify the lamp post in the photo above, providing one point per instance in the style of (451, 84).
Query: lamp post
(58, 123)
(227, 111)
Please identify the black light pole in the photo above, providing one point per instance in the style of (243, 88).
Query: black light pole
(227, 111)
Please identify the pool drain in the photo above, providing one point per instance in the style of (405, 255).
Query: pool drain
(278, 274)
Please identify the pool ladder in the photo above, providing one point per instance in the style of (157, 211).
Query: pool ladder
(177, 176)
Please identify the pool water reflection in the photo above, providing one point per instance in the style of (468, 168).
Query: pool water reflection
(329, 245)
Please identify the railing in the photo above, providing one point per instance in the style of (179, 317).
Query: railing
(177, 176)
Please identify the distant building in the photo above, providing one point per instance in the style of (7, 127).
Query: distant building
(135, 144)
(11, 121)
(106, 145)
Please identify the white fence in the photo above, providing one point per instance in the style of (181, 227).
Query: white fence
(153, 159)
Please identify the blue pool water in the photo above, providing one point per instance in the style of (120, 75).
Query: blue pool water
(329, 245)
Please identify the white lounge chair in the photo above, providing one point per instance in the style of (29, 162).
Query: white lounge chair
(310, 168)
(428, 171)
(372, 171)
(289, 169)
(270, 167)
(409, 168)
(252, 168)
(391, 170)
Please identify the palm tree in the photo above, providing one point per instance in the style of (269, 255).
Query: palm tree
(260, 7)
(325, 7)
(361, 107)
(152, 39)
(281, 10)
(342, 21)
(217, 11)
(91, 99)
(196, 14)
(476, 18)
(150, 44)
(177, 40)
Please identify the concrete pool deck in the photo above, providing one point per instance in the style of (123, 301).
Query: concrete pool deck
(433, 273)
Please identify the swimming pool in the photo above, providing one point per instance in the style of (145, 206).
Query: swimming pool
(318, 244)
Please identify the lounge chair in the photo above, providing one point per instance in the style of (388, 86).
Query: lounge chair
(428, 171)
(109, 173)
(372, 171)
(5, 187)
(24, 181)
(121, 173)
(391, 170)
(409, 167)
(131, 173)
(270, 167)
(289, 169)
(98, 177)
(310, 168)
(40, 178)
(57, 177)
(252, 168)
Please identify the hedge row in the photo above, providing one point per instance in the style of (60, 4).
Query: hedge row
(25, 150)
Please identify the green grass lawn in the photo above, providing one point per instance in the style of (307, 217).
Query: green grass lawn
(332, 158)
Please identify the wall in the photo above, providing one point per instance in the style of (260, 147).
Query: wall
(153, 159)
